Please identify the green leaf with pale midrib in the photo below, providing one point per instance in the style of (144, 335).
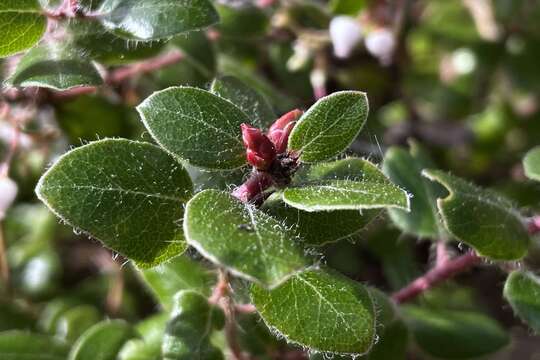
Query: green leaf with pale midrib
(349, 184)
(22, 25)
(129, 195)
(157, 19)
(521, 290)
(329, 126)
(250, 243)
(480, 218)
(196, 126)
(322, 310)
(320, 228)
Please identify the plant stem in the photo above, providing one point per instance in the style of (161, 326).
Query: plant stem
(436, 275)
(144, 67)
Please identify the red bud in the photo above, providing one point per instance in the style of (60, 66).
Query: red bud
(281, 129)
(260, 150)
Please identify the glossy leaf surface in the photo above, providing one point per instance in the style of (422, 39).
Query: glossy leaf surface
(22, 25)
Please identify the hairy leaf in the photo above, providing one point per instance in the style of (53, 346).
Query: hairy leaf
(54, 66)
(178, 273)
(522, 290)
(405, 169)
(481, 218)
(253, 104)
(249, 242)
(197, 126)
(321, 310)
(320, 228)
(531, 164)
(129, 195)
(107, 336)
(19, 345)
(157, 19)
(454, 334)
(329, 126)
(349, 184)
(22, 25)
(189, 329)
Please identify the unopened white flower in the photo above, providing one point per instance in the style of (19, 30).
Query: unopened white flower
(381, 43)
(345, 33)
(300, 57)
(8, 192)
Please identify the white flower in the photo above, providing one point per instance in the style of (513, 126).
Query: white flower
(8, 192)
(345, 33)
(381, 43)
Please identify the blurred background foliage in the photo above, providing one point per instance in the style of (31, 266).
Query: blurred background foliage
(460, 77)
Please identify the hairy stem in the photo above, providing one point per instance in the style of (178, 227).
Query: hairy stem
(436, 276)
(4, 267)
(144, 67)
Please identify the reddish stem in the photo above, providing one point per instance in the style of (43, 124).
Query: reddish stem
(253, 188)
(436, 275)
(144, 67)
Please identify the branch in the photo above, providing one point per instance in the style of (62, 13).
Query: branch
(144, 67)
(436, 276)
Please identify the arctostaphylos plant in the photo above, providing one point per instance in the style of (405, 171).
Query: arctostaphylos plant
(239, 202)
(139, 200)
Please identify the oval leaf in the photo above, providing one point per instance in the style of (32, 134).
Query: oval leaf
(178, 273)
(531, 164)
(521, 290)
(321, 310)
(56, 67)
(405, 169)
(249, 242)
(349, 184)
(22, 24)
(188, 332)
(481, 219)
(129, 195)
(454, 334)
(253, 104)
(17, 345)
(329, 126)
(157, 19)
(107, 336)
(196, 126)
(320, 228)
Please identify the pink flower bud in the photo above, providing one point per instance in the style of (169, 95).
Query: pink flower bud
(8, 192)
(281, 129)
(259, 149)
(253, 187)
(345, 33)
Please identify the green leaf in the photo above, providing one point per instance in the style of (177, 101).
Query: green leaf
(249, 242)
(320, 228)
(107, 336)
(321, 310)
(152, 330)
(188, 332)
(253, 104)
(14, 316)
(55, 66)
(22, 25)
(349, 184)
(157, 19)
(73, 322)
(22, 345)
(329, 126)
(454, 334)
(107, 48)
(531, 164)
(405, 169)
(241, 22)
(197, 126)
(521, 290)
(178, 273)
(482, 219)
(127, 194)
